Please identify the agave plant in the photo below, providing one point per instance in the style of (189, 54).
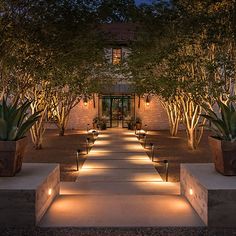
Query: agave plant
(224, 124)
(15, 121)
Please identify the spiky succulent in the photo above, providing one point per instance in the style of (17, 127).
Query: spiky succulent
(15, 121)
(224, 124)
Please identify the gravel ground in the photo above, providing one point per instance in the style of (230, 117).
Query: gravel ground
(166, 231)
(176, 151)
(61, 150)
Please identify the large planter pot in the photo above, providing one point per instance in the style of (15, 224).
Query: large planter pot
(224, 156)
(11, 156)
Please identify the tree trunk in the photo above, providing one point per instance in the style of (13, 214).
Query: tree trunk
(62, 123)
(38, 146)
(174, 115)
(37, 130)
(192, 119)
(62, 131)
(191, 139)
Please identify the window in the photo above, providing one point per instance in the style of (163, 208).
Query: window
(116, 56)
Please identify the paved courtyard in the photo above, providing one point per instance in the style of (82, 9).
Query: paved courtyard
(118, 186)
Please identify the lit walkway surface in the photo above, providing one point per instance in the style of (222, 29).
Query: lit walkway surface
(118, 186)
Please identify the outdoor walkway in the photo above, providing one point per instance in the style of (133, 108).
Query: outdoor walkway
(118, 186)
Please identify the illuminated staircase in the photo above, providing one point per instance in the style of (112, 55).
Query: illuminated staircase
(118, 186)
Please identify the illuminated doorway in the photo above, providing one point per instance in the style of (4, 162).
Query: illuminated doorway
(117, 110)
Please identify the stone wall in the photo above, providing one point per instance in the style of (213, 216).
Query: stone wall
(82, 115)
(198, 197)
(25, 198)
(108, 53)
(153, 115)
(212, 195)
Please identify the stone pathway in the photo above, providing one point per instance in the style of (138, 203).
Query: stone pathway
(118, 186)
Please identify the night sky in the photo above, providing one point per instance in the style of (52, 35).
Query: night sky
(143, 1)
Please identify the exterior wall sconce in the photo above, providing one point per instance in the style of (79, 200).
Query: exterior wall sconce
(191, 191)
(139, 99)
(85, 102)
(49, 192)
(94, 101)
(147, 101)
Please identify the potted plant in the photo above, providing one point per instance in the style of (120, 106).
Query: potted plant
(223, 141)
(131, 124)
(14, 124)
(95, 122)
(138, 123)
(103, 124)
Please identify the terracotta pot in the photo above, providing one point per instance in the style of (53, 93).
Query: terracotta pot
(224, 156)
(11, 156)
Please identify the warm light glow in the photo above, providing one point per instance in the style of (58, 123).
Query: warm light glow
(90, 171)
(49, 191)
(96, 165)
(102, 142)
(85, 103)
(103, 136)
(141, 162)
(141, 131)
(147, 101)
(97, 150)
(191, 191)
(147, 177)
(132, 147)
(92, 130)
(98, 154)
(116, 56)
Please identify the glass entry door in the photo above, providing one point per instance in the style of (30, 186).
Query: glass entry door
(117, 110)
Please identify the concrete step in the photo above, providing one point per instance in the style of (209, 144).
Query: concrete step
(120, 211)
(129, 147)
(102, 174)
(116, 164)
(117, 156)
(119, 188)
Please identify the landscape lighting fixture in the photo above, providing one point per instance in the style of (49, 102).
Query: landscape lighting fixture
(147, 101)
(85, 102)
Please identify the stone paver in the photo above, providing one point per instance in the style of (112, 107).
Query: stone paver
(122, 168)
(118, 164)
(117, 156)
(122, 174)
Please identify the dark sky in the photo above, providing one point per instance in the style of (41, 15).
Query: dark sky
(143, 1)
